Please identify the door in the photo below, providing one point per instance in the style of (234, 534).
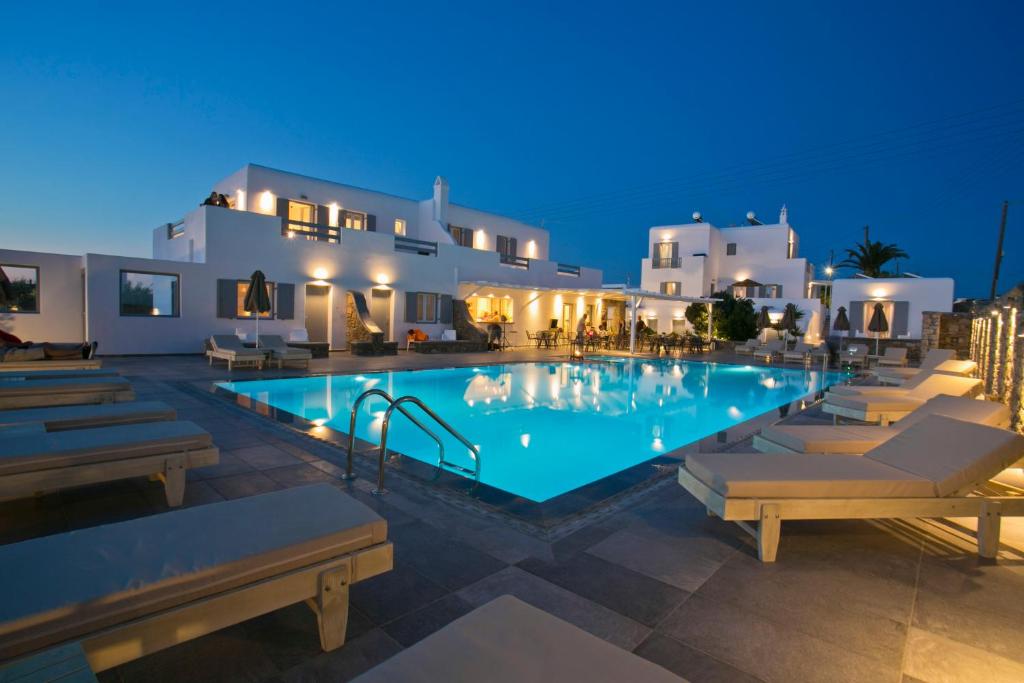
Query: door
(569, 319)
(380, 310)
(317, 312)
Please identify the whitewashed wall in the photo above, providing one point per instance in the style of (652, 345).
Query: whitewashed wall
(923, 294)
(61, 314)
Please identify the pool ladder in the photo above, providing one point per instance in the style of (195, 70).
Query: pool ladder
(397, 404)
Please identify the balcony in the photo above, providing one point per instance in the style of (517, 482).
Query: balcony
(310, 231)
(410, 246)
(514, 261)
(665, 262)
(566, 269)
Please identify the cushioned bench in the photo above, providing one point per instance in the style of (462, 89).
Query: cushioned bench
(61, 418)
(130, 589)
(33, 463)
(509, 641)
(62, 392)
(57, 374)
(888, 404)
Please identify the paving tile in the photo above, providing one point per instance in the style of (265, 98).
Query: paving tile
(392, 594)
(685, 565)
(290, 636)
(242, 485)
(629, 593)
(225, 655)
(974, 603)
(297, 475)
(264, 456)
(773, 649)
(228, 465)
(560, 602)
(689, 663)
(441, 559)
(347, 662)
(419, 624)
(936, 659)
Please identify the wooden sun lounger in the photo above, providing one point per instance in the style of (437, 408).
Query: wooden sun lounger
(58, 374)
(929, 470)
(33, 463)
(127, 590)
(62, 418)
(44, 365)
(858, 439)
(228, 347)
(900, 376)
(279, 351)
(62, 392)
(509, 641)
(885, 406)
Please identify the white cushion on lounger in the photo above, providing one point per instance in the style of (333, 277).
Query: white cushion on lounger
(951, 453)
(71, 417)
(80, 446)
(63, 386)
(960, 408)
(80, 581)
(849, 439)
(770, 475)
(870, 403)
(506, 641)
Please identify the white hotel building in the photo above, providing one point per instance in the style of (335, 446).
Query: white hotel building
(323, 244)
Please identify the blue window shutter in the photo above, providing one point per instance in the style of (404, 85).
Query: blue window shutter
(446, 308)
(371, 223)
(226, 301)
(856, 317)
(900, 318)
(410, 307)
(285, 301)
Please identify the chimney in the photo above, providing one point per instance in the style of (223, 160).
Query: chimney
(441, 200)
(783, 216)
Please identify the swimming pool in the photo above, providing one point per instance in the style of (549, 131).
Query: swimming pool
(544, 429)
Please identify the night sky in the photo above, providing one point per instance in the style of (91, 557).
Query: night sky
(602, 119)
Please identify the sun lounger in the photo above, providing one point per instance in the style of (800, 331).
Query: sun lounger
(279, 351)
(964, 368)
(928, 470)
(854, 355)
(62, 392)
(885, 407)
(228, 347)
(748, 347)
(47, 365)
(893, 357)
(48, 461)
(878, 389)
(509, 641)
(127, 590)
(57, 374)
(774, 347)
(801, 353)
(79, 417)
(858, 439)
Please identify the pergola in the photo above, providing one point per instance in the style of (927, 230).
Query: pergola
(633, 296)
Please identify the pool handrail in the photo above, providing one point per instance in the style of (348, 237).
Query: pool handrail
(391, 401)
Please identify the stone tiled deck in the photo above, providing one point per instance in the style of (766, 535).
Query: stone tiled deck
(847, 601)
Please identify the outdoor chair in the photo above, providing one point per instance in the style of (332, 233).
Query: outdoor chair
(939, 467)
(281, 353)
(893, 357)
(127, 590)
(931, 360)
(229, 347)
(888, 404)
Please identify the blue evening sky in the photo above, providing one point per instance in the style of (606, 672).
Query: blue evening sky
(601, 118)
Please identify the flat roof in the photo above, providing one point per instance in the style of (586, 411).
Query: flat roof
(608, 293)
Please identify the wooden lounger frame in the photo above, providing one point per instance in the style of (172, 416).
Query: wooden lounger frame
(882, 417)
(169, 468)
(74, 364)
(232, 361)
(768, 513)
(48, 400)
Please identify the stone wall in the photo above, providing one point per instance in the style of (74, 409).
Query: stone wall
(946, 331)
(354, 327)
(997, 346)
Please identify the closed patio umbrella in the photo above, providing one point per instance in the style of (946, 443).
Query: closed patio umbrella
(763, 321)
(841, 324)
(878, 324)
(257, 299)
(788, 321)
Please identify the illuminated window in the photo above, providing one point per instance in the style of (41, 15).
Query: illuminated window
(153, 295)
(487, 309)
(426, 307)
(301, 212)
(24, 288)
(354, 220)
(240, 288)
(399, 226)
(670, 288)
(461, 236)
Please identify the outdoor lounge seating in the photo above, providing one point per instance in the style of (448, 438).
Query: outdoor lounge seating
(228, 347)
(881, 390)
(129, 589)
(888, 406)
(31, 463)
(858, 439)
(935, 360)
(61, 418)
(62, 392)
(800, 353)
(507, 640)
(929, 470)
(771, 349)
(280, 352)
(72, 373)
(855, 355)
(893, 357)
(748, 347)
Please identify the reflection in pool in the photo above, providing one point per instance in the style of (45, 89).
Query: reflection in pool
(547, 428)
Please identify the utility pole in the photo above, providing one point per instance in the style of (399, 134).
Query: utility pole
(999, 252)
(866, 240)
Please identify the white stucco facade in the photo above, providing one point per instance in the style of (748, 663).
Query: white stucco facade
(904, 299)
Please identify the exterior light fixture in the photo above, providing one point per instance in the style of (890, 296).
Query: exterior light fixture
(320, 273)
(266, 201)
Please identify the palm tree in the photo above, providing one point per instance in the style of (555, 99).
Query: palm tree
(869, 257)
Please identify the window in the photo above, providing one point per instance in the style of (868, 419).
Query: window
(730, 249)
(771, 292)
(240, 288)
(461, 236)
(301, 212)
(665, 255)
(353, 220)
(399, 226)
(153, 295)
(490, 309)
(670, 288)
(426, 307)
(678, 326)
(24, 289)
(506, 246)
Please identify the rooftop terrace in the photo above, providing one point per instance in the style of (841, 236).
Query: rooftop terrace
(649, 572)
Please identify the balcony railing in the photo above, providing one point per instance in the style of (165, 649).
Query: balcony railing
(310, 231)
(566, 269)
(421, 247)
(514, 261)
(659, 262)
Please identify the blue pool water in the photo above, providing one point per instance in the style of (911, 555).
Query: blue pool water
(547, 428)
